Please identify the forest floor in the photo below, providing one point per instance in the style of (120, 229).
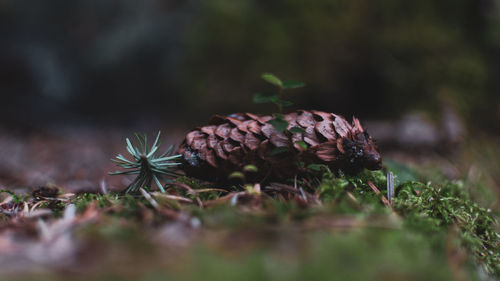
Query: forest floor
(62, 218)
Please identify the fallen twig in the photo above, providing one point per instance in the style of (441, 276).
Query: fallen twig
(172, 197)
(377, 191)
(190, 191)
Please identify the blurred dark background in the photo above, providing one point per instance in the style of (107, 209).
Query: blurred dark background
(122, 62)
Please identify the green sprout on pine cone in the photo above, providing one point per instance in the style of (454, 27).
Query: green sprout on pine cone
(146, 164)
(278, 122)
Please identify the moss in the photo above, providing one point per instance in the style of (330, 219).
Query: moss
(425, 208)
(433, 208)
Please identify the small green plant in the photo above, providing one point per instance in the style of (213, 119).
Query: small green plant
(276, 98)
(241, 174)
(146, 164)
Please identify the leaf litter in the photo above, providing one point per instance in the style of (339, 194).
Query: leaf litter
(49, 230)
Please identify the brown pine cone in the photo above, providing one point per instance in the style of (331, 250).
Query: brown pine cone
(229, 143)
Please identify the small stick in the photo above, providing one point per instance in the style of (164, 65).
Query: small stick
(172, 197)
(190, 191)
(377, 191)
(390, 186)
(150, 199)
(104, 189)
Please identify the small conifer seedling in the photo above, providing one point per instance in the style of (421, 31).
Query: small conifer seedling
(146, 164)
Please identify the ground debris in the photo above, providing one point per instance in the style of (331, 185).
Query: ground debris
(52, 244)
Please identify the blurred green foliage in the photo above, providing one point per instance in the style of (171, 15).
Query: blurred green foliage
(358, 255)
(379, 57)
(191, 59)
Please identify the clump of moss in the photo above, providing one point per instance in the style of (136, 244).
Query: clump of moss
(351, 194)
(82, 201)
(424, 208)
(437, 208)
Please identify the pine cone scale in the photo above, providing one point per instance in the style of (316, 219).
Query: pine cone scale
(326, 151)
(267, 130)
(209, 130)
(236, 135)
(310, 136)
(253, 126)
(251, 142)
(223, 131)
(305, 119)
(324, 115)
(325, 129)
(342, 127)
(220, 152)
(210, 158)
(279, 140)
(212, 141)
(243, 126)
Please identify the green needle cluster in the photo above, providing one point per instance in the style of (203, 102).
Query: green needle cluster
(146, 164)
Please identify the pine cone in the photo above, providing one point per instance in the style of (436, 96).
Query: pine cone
(229, 143)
